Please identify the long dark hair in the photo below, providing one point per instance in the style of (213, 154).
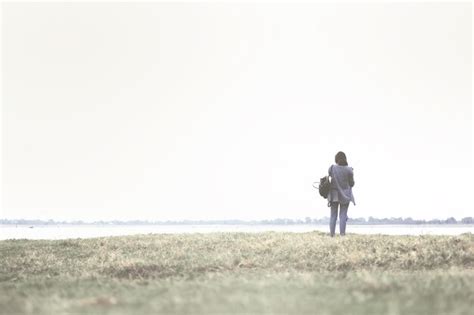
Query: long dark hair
(341, 158)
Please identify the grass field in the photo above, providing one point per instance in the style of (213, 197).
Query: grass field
(239, 273)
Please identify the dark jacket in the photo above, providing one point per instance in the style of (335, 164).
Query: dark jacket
(342, 181)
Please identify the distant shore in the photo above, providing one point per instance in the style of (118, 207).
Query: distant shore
(277, 221)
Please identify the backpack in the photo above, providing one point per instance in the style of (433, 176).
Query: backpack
(324, 187)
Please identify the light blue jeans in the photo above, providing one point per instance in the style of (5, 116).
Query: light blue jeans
(342, 218)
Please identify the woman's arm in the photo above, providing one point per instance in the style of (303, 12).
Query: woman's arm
(351, 178)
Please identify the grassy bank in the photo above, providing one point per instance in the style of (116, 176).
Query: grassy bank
(239, 273)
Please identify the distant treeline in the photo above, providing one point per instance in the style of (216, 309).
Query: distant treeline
(278, 221)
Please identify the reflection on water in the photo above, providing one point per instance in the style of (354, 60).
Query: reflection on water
(88, 231)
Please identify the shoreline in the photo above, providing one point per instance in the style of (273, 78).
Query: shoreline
(49, 232)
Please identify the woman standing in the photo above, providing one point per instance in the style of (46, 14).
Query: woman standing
(342, 181)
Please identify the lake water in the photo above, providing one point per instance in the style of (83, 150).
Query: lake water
(88, 231)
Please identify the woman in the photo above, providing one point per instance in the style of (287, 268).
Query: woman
(342, 181)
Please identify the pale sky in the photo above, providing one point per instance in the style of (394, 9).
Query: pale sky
(231, 111)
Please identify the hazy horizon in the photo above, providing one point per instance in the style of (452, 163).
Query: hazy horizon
(173, 111)
(354, 220)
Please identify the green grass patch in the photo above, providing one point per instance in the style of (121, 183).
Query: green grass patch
(235, 273)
